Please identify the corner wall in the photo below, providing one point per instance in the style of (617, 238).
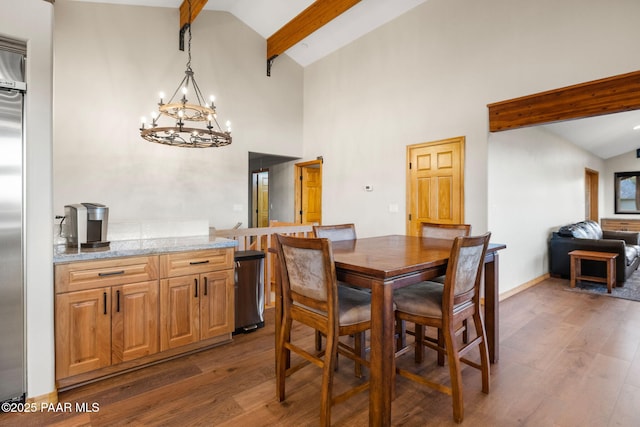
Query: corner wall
(108, 76)
(32, 20)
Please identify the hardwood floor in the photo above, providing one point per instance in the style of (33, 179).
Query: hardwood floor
(566, 359)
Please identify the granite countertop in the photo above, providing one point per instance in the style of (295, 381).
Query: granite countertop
(122, 248)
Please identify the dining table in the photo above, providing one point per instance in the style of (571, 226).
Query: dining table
(382, 264)
(385, 263)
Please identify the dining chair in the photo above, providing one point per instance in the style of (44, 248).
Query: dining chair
(444, 231)
(436, 231)
(311, 296)
(445, 308)
(336, 233)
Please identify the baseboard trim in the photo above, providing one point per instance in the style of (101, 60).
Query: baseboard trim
(44, 398)
(503, 296)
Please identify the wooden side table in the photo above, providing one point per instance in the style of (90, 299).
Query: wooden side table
(607, 257)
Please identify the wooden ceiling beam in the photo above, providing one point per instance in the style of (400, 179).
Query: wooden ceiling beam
(604, 96)
(318, 14)
(185, 19)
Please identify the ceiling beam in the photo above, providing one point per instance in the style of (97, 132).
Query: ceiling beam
(604, 96)
(185, 19)
(318, 14)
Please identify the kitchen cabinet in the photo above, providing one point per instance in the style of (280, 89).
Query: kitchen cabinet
(196, 296)
(83, 331)
(106, 313)
(134, 321)
(114, 314)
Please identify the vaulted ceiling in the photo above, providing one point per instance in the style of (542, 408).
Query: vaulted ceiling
(605, 136)
(266, 17)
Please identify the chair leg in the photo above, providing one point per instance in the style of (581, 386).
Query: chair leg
(465, 331)
(454, 372)
(401, 334)
(282, 358)
(484, 352)
(441, 344)
(330, 358)
(419, 338)
(360, 349)
(318, 341)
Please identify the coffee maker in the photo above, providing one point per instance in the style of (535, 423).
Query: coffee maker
(86, 225)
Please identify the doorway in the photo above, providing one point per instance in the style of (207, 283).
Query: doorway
(308, 192)
(591, 178)
(435, 183)
(278, 203)
(260, 197)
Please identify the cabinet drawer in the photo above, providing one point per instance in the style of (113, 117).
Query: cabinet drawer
(195, 262)
(82, 275)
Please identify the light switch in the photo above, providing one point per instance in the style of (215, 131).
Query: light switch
(393, 207)
(237, 208)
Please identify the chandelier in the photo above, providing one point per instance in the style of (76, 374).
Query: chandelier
(194, 125)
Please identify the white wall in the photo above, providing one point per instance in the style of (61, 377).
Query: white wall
(32, 21)
(281, 191)
(429, 75)
(533, 196)
(108, 76)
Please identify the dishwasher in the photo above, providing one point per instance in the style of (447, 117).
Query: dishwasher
(249, 291)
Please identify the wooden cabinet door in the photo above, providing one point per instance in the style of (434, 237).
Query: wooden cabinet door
(217, 304)
(83, 331)
(179, 311)
(134, 321)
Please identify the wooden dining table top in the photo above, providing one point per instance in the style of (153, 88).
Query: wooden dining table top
(386, 257)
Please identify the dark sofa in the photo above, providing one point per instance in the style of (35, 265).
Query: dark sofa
(588, 236)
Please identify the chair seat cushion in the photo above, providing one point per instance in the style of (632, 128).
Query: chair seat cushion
(421, 299)
(354, 305)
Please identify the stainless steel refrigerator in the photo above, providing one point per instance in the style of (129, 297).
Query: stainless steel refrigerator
(12, 293)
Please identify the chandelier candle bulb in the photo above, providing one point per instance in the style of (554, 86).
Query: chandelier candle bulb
(161, 98)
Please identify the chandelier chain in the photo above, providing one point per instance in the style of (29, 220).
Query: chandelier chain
(189, 40)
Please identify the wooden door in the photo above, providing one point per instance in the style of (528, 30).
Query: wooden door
(83, 331)
(217, 304)
(308, 187)
(261, 199)
(134, 321)
(435, 183)
(591, 208)
(179, 311)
